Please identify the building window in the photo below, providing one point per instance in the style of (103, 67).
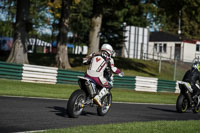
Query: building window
(165, 48)
(155, 47)
(198, 47)
(160, 48)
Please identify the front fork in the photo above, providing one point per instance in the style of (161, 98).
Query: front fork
(188, 94)
(197, 100)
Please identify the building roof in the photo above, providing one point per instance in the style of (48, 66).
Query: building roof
(164, 37)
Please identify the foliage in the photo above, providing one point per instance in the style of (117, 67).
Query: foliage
(8, 11)
(80, 22)
(157, 14)
(38, 17)
(121, 13)
(163, 14)
(169, 13)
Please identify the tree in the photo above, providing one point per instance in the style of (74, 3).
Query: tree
(18, 52)
(80, 19)
(121, 13)
(62, 50)
(95, 26)
(55, 10)
(8, 10)
(187, 11)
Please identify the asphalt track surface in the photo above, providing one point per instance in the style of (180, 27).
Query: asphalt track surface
(30, 114)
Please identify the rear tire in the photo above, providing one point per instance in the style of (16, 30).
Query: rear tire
(106, 102)
(75, 103)
(182, 103)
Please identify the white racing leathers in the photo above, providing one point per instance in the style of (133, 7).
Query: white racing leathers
(96, 71)
(97, 67)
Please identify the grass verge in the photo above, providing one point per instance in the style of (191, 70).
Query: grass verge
(191, 126)
(17, 88)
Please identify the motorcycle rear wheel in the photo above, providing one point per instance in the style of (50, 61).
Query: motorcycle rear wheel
(75, 103)
(182, 103)
(106, 102)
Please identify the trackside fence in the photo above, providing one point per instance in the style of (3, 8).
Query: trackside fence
(53, 75)
(165, 85)
(150, 84)
(68, 76)
(124, 82)
(11, 71)
(39, 74)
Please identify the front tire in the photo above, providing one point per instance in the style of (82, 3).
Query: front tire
(106, 102)
(75, 103)
(182, 103)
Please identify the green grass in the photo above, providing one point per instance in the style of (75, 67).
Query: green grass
(17, 88)
(136, 127)
(125, 95)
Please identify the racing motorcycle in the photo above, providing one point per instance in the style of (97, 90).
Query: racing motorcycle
(83, 97)
(186, 97)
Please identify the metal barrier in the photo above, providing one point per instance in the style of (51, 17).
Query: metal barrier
(146, 83)
(166, 86)
(11, 71)
(124, 82)
(39, 74)
(68, 76)
(52, 75)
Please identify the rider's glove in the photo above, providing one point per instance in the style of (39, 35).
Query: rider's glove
(85, 60)
(111, 83)
(121, 74)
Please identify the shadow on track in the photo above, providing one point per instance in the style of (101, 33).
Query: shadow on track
(62, 112)
(166, 110)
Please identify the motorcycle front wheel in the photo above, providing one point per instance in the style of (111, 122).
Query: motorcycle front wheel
(106, 102)
(75, 103)
(182, 103)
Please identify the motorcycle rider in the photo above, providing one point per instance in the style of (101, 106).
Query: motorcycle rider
(192, 76)
(97, 65)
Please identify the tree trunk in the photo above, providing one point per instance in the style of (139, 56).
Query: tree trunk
(94, 34)
(122, 50)
(62, 51)
(18, 52)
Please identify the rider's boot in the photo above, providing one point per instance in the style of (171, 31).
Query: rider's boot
(98, 97)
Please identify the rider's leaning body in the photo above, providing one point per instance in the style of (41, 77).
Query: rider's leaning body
(192, 76)
(97, 65)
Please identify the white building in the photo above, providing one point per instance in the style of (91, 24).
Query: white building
(136, 42)
(169, 46)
